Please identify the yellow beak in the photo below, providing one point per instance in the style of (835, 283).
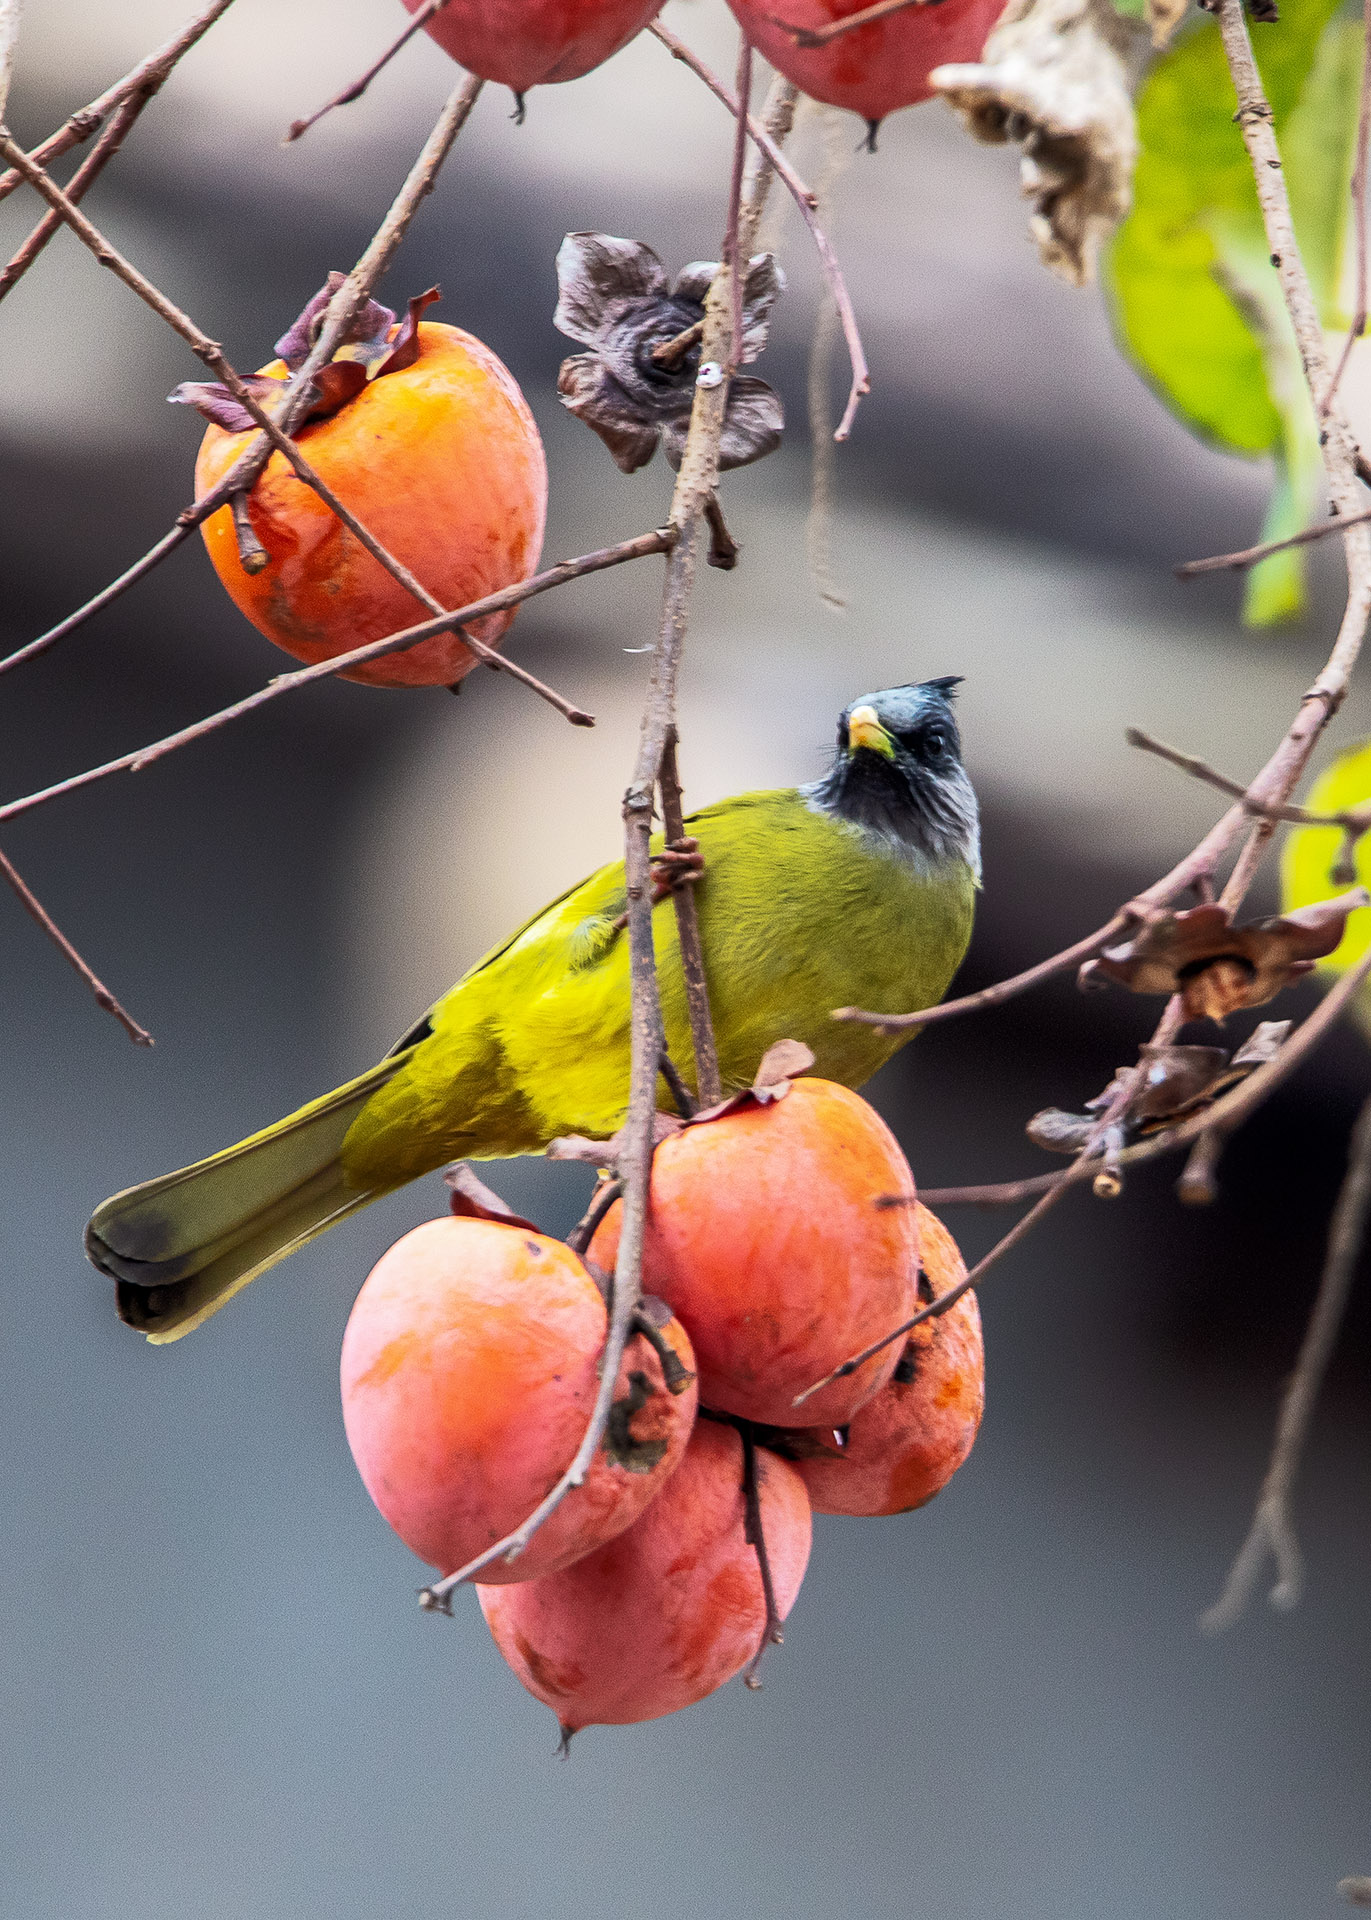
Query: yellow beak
(865, 730)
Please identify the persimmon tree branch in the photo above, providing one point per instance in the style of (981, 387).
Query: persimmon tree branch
(1249, 556)
(835, 29)
(151, 71)
(806, 200)
(694, 484)
(1272, 1532)
(660, 540)
(34, 907)
(99, 157)
(337, 319)
(359, 86)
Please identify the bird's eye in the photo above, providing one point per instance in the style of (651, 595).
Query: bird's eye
(933, 743)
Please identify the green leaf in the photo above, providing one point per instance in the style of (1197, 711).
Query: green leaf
(1195, 301)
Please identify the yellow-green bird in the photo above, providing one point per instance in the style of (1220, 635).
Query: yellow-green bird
(856, 890)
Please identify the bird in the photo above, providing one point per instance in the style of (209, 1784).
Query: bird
(857, 888)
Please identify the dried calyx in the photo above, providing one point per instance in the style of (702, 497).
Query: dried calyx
(1216, 967)
(372, 347)
(635, 385)
(1177, 1082)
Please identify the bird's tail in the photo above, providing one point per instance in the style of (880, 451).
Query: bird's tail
(180, 1246)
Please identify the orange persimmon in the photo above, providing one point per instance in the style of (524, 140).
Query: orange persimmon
(528, 43)
(442, 461)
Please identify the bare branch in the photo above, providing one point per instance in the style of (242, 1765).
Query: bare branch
(151, 71)
(864, 17)
(33, 905)
(708, 1084)
(359, 86)
(1272, 1531)
(1249, 556)
(1351, 819)
(806, 201)
(659, 541)
(89, 171)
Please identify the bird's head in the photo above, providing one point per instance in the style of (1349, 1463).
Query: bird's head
(898, 774)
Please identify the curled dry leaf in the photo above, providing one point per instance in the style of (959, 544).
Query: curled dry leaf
(471, 1199)
(371, 347)
(1177, 1082)
(1217, 967)
(783, 1062)
(614, 298)
(1053, 77)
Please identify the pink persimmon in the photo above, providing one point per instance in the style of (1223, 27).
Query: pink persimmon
(764, 1236)
(468, 1376)
(528, 43)
(910, 1438)
(672, 1608)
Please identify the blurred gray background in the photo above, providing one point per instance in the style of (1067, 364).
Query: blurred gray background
(217, 1693)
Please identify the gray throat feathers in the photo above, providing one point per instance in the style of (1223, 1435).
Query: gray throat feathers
(927, 825)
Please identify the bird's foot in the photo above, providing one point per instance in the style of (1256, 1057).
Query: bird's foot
(679, 864)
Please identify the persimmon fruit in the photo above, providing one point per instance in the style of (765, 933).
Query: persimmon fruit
(764, 1237)
(873, 70)
(528, 43)
(468, 1377)
(442, 461)
(672, 1608)
(910, 1438)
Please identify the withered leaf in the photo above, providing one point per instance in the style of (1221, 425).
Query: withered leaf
(1217, 967)
(1052, 76)
(471, 1199)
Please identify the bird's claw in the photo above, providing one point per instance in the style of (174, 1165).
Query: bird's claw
(679, 864)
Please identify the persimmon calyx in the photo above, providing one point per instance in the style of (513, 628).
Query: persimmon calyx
(1177, 1082)
(1217, 967)
(615, 299)
(372, 347)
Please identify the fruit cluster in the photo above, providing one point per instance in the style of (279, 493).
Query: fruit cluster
(783, 1236)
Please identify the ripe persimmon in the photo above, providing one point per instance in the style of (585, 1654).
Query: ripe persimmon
(910, 1438)
(874, 69)
(468, 1375)
(764, 1236)
(440, 459)
(671, 1609)
(536, 41)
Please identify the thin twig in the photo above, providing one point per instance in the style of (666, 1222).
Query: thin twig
(1351, 819)
(948, 1300)
(152, 70)
(34, 906)
(670, 353)
(754, 1532)
(602, 1200)
(742, 85)
(1249, 556)
(1272, 1531)
(337, 319)
(89, 171)
(865, 17)
(805, 201)
(1002, 1193)
(708, 1084)
(359, 87)
(1002, 990)
(659, 541)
